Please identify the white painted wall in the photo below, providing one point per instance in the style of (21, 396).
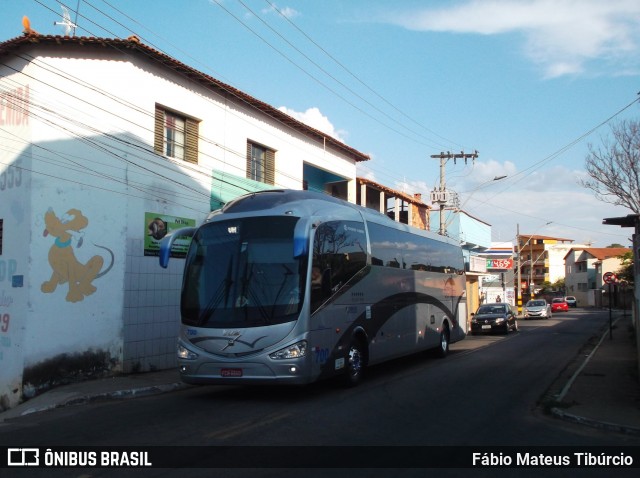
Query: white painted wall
(15, 163)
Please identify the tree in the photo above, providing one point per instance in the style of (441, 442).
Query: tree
(614, 167)
(626, 268)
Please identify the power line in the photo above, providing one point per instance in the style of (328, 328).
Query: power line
(240, 154)
(353, 75)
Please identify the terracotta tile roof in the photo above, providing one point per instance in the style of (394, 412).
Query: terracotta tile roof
(599, 253)
(134, 46)
(406, 197)
(602, 253)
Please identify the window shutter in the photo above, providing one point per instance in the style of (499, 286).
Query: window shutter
(191, 140)
(158, 137)
(270, 167)
(249, 148)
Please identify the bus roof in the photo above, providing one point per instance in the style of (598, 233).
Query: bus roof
(311, 203)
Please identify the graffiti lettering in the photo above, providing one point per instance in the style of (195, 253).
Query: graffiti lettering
(4, 323)
(5, 300)
(11, 177)
(14, 107)
(7, 269)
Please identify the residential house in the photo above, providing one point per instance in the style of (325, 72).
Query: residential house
(397, 205)
(584, 268)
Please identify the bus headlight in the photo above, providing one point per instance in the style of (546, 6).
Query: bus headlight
(186, 354)
(296, 350)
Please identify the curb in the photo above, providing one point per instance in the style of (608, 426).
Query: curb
(614, 427)
(123, 394)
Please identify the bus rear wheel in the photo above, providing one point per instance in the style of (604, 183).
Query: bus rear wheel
(356, 363)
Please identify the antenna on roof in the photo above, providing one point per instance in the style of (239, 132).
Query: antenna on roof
(69, 26)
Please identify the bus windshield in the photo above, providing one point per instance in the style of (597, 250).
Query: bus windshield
(242, 273)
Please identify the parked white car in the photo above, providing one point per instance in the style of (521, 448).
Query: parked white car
(537, 309)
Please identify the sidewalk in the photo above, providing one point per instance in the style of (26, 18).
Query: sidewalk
(112, 388)
(601, 389)
(604, 389)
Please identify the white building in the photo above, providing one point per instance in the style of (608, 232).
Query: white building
(105, 145)
(584, 270)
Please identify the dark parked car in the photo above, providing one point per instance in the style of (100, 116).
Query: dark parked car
(571, 300)
(559, 305)
(496, 317)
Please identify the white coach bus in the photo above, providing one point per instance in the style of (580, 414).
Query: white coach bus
(288, 286)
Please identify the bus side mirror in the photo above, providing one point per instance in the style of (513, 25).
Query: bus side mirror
(167, 243)
(300, 240)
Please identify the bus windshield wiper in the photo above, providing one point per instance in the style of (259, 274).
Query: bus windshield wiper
(222, 291)
(287, 273)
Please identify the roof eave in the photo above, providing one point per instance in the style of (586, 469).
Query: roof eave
(134, 44)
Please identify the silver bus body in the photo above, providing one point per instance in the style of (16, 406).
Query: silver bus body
(293, 286)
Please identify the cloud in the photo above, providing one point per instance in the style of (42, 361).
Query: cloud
(364, 171)
(314, 118)
(561, 36)
(286, 12)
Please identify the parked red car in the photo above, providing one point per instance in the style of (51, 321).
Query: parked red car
(559, 305)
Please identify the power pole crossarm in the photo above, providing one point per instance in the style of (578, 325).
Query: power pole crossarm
(441, 195)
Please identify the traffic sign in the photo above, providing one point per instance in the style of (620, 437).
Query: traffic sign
(609, 278)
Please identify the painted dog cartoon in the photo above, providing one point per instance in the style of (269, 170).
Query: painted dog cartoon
(66, 268)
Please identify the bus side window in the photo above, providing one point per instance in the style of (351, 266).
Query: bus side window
(339, 251)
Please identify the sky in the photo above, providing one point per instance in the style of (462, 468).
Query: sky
(528, 84)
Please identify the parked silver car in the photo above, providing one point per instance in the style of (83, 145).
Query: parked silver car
(571, 300)
(537, 309)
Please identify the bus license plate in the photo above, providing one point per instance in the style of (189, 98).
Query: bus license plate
(231, 372)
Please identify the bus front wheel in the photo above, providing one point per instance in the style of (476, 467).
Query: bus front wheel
(356, 363)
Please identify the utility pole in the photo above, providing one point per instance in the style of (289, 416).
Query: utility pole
(518, 285)
(441, 196)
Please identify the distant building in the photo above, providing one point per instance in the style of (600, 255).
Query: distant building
(499, 281)
(584, 268)
(399, 206)
(475, 238)
(541, 260)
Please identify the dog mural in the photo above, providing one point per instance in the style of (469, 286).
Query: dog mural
(66, 268)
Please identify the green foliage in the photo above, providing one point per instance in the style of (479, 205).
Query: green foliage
(625, 272)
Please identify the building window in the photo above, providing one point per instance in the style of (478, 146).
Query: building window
(176, 135)
(260, 163)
